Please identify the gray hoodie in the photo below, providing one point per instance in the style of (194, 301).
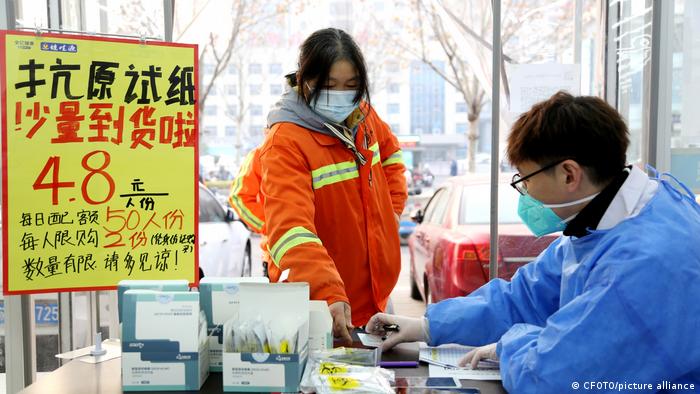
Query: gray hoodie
(291, 108)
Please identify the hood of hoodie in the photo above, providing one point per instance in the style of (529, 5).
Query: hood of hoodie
(292, 108)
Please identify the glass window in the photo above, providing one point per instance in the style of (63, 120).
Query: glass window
(231, 89)
(230, 131)
(461, 107)
(393, 66)
(255, 68)
(393, 108)
(231, 110)
(208, 69)
(276, 89)
(395, 128)
(434, 202)
(210, 130)
(461, 128)
(232, 69)
(475, 205)
(255, 130)
(685, 93)
(255, 89)
(275, 68)
(394, 88)
(209, 209)
(438, 215)
(256, 110)
(210, 110)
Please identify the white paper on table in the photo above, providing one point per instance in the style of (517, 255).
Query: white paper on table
(444, 355)
(370, 340)
(112, 346)
(436, 371)
(532, 83)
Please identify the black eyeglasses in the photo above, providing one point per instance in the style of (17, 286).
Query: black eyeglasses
(517, 179)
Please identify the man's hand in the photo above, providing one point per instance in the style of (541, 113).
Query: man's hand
(480, 353)
(342, 321)
(410, 329)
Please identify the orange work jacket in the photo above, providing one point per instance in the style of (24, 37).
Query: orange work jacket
(331, 221)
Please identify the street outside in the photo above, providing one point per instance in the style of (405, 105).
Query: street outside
(401, 296)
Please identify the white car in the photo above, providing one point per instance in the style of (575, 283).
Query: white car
(224, 241)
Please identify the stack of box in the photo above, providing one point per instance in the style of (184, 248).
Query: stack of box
(219, 300)
(284, 309)
(320, 326)
(162, 285)
(164, 343)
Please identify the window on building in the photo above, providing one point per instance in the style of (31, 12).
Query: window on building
(256, 110)
(461, 128)
(276, 89)
(232, 69)
(210, 110)
(208, 69)
(256, 130)
(255, 89)
(210, 130)
(393, 67)
(231, 89)
(230, 131)
(394, 88)
(395, 128)
(231, 110)
(275, 68)
(393, 108)
(461, 107)
(255, 68)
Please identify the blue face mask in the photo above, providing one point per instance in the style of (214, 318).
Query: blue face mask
(336, 105)
(540, 218)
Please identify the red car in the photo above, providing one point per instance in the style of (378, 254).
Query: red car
(450, 246)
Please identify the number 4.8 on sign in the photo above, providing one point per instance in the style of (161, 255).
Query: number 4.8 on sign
(52, 166)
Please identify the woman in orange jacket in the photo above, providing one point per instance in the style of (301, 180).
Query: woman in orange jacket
(333, 184)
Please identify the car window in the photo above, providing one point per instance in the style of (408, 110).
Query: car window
(438, 216)
(209, 209)
(475, 207)
(432, 205)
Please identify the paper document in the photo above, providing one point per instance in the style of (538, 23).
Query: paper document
(444, 362)
(370, 340)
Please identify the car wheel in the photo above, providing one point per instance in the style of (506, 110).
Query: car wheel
(415, 291)
(247, 261)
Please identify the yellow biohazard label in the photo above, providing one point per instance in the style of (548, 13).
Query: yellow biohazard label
(342, 383)
(327, 368)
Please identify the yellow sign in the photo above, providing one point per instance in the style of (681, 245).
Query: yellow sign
(99, 150)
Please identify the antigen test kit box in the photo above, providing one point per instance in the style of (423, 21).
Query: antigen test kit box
(219, 301)
(164, 342)
(273, 319)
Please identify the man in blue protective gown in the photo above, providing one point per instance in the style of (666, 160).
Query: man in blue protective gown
(616, 298)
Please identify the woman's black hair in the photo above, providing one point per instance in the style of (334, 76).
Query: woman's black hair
(319, 52)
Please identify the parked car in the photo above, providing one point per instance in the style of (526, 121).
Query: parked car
(224, 241)
(450, 246)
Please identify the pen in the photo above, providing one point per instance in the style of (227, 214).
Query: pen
(398, 364)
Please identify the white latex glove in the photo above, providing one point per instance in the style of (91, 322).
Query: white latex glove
(410, 329)
(480, 353)
(342, 321)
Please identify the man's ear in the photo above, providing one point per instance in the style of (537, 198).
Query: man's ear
(573, 174)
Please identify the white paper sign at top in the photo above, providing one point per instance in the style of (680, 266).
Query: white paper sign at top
(532, 83)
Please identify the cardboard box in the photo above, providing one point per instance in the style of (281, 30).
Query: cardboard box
(275, 304)
(164, 344)
(320, 326)
(219, 301)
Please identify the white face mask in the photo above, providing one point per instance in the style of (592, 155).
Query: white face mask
(335, 105)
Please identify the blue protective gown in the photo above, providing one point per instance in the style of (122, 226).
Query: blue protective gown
(620, 305)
